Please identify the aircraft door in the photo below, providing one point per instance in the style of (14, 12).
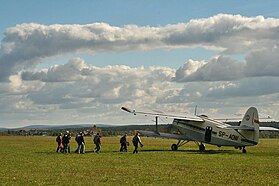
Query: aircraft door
(207, 136)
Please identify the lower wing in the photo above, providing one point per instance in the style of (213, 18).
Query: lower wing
(163, 135)
(268, 129)
(248, 128)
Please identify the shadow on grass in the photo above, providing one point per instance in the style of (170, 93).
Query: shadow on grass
(153, 150)
(194, 151)
(53, 152)
(86, 152)
(214, 152)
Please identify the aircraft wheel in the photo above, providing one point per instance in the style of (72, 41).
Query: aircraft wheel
(174, 147)
(244, 150)
(201, 147)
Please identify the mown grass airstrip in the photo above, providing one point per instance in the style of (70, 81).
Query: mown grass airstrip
(33, 161)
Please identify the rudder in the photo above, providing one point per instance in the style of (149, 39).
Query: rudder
(251, 119)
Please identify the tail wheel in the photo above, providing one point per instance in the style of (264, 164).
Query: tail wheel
(201, 147)
(174, 147)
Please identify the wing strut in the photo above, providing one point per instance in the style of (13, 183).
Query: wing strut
(156, 120)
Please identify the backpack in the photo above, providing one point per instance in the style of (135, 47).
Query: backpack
(96, 139)
(78, 138)
(122, 140)
(58, 139)
(66, 139)
(135, 139)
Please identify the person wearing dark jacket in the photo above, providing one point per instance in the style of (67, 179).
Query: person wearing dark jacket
(136, 141)
(66, 142)
(123, 143)
(81, 144)
(97, 142)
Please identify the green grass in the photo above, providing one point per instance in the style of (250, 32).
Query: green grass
(33, 161)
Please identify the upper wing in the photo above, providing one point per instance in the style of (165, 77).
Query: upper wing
(243, 127)
(177, 116)
(226, 126)
(268, 129)
(163, 135)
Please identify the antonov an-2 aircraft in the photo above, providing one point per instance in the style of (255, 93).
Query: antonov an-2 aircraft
(202, 129)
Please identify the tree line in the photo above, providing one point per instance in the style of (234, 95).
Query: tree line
(116, 130)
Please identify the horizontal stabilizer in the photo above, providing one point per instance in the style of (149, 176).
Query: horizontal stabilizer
(268, 129)
(162, 135)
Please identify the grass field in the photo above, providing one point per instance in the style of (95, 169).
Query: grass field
(33, 161)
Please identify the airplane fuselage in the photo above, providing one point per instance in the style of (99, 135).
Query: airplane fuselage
(209, 132)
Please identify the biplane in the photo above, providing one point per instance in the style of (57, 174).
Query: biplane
(204, 130)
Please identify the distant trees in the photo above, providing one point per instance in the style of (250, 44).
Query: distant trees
(116, 130)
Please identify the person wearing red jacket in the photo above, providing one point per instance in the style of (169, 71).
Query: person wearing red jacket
(59, 142)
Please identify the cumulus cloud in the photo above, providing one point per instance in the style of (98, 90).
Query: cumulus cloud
(99, 92)
(258, 63)
(263, 62)
(75, 90)
(218, 69)
(77, 81)
(72, 91)
(70, 71)
(250, 87)
(189, 68)
(26, 44)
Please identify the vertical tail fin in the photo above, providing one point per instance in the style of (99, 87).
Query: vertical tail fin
(251, 119)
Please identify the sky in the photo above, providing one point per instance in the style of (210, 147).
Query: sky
(71, 62)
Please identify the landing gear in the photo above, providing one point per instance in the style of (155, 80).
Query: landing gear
(174, 146)
(241, 148)
(202, 147)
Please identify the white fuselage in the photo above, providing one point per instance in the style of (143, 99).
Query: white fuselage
(209, 132)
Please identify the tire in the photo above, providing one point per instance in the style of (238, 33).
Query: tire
(201, 147)
(174, 147)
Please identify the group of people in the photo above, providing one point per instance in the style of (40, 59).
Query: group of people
(63, 142)
(136, 141)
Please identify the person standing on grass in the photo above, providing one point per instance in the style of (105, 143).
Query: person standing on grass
(136, 141)
(66, 142)
(76, 139)
(123, 142)
(97, 142)
(59, 142)
(81, 144)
